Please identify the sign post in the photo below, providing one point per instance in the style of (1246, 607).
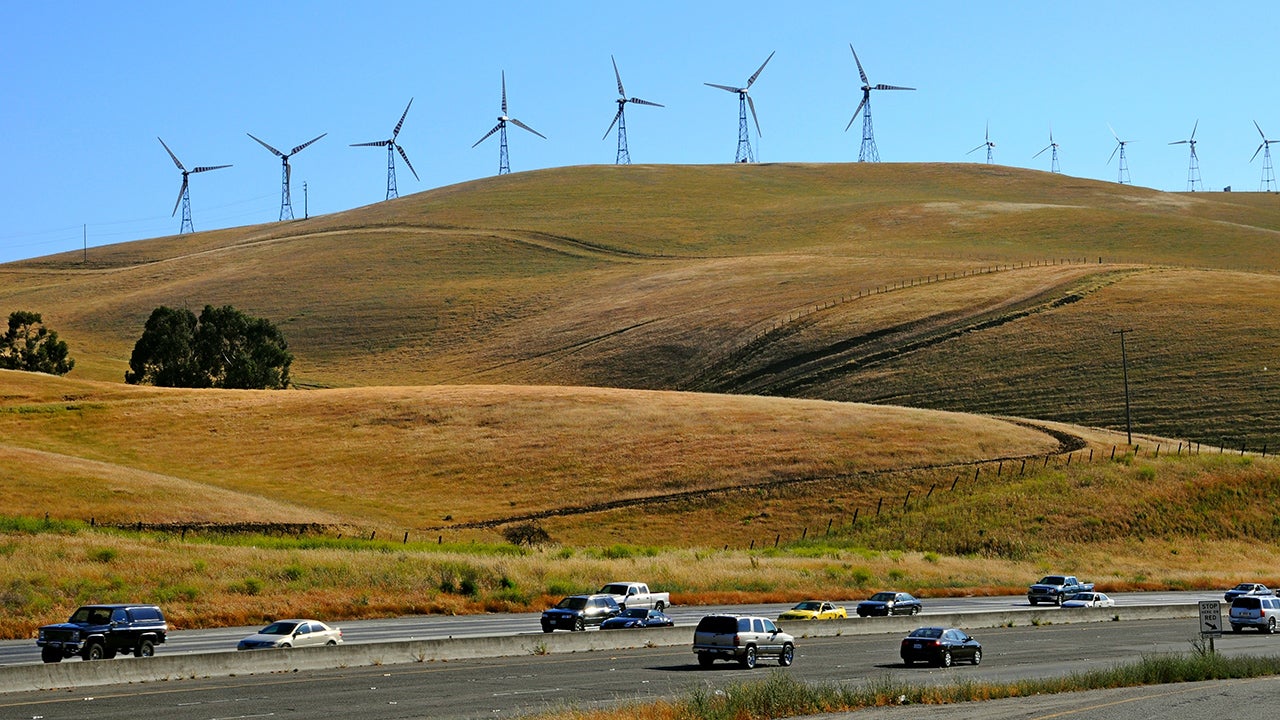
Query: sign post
(1210, 620)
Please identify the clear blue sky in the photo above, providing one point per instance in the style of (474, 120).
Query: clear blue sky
(88, 86)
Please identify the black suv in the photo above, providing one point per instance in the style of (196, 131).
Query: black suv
(576, 612)
(95, 632)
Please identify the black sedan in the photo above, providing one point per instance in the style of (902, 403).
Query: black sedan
(940, 646)
(637, 618)
(889, 603)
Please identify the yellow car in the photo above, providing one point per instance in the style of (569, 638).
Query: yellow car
(814, 610)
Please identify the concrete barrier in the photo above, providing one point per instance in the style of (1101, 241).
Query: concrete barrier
(161, 668)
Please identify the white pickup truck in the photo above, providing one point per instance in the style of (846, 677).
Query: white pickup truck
(636, 595)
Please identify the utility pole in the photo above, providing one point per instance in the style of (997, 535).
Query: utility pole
(306, 211)
(1124, 363)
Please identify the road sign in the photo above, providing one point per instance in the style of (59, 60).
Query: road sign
(1211, 618)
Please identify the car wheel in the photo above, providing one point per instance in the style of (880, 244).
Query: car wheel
(945, 660)
(706, 659)
(286, 645)
(1271, 625)
(94, 651)
(547, 628)
(749, 657)
(908, 662)
(50, 655)
(1033, 602)
(331, 643)
(659, 606)
(788, 655)
(1058, 601)
(977, 657)
(579, 625)
(1236, 628)
(144, 649)
(915, 610)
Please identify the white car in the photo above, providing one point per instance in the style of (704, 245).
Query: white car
(1087, 600)
(292, 633)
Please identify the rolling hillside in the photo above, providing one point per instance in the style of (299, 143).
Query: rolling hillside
(957, 287)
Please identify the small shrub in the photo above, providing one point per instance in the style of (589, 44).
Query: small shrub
(249, 586)
(529, 533)
(103, 555)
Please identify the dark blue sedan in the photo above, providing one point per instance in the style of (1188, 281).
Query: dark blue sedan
(637, 618)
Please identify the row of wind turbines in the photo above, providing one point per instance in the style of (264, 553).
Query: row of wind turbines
(867, 151)
(1194, 182)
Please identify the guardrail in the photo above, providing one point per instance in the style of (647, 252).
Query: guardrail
(162, 668)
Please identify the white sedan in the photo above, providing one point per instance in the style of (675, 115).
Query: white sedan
(1088, 599)
(292, 633)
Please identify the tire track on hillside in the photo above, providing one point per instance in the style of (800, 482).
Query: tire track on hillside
(1067, 443)
(791, 375)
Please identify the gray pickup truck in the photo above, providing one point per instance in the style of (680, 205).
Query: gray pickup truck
(1053, 589)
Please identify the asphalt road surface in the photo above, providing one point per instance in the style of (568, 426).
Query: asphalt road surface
(434, 626)
(509, 687)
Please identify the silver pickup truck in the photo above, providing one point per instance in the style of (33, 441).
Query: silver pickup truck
(1056, 588)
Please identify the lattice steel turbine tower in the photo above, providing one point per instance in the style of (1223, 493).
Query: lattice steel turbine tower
(744, 101)
(184, 194)
(867, 152)
(986, 143)
(620, 119)
(286, 205)
(1268, 172)
(504, 161)
(392, 148)
(1193, 169)
(1123, 173)
(1053, 165)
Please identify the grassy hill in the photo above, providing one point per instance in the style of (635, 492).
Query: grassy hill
(879, 283)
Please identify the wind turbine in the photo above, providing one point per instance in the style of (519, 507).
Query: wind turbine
(1053, 166)
(1193, 170)
(624, 157)
(504, 162)
(286, 207)
(744, 100)
(1123, 177)
(184, 195)
(868, 152)
(986, 144)
(1268, 172)
(392, 148)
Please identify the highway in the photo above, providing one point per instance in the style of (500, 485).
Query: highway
(507, 687)
(436, 626)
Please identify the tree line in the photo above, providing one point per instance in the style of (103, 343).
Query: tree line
(222, 348)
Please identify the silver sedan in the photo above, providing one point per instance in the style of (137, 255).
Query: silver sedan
(292, 633)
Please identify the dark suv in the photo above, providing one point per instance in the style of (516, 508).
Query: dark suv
(576, 612)
(96, 632)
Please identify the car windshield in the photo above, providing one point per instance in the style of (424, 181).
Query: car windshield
(278, 628)
(927, 633)
(809, 605)
(1245, 586)
(91, 616)
(614, 589)
(882, 597)
(635, 613)
(1081, 597)
(576, 602)
(1053, 580)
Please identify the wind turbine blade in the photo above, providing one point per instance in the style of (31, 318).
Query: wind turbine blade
(376, 143)
(724, 87)
(206, 168)
(891, 87)
(1113, 132)
(986, 135)
(1255, 153)
(276, 152)
(752, 104)
(517, 123)
(638, 101)
(406, 162)
(303, 145)
(1046, 147)
(1264, 135)
(617, 75)
(1178, 142)
(175, 157)
(855, 112)
(495, 129)
(615, 122)
(865, 81)
(976, 149)
(403, 115)
(757, 72)
(1114, 151)
(1194, 127)
(181, 192)
(504, 92)
(288, 174)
